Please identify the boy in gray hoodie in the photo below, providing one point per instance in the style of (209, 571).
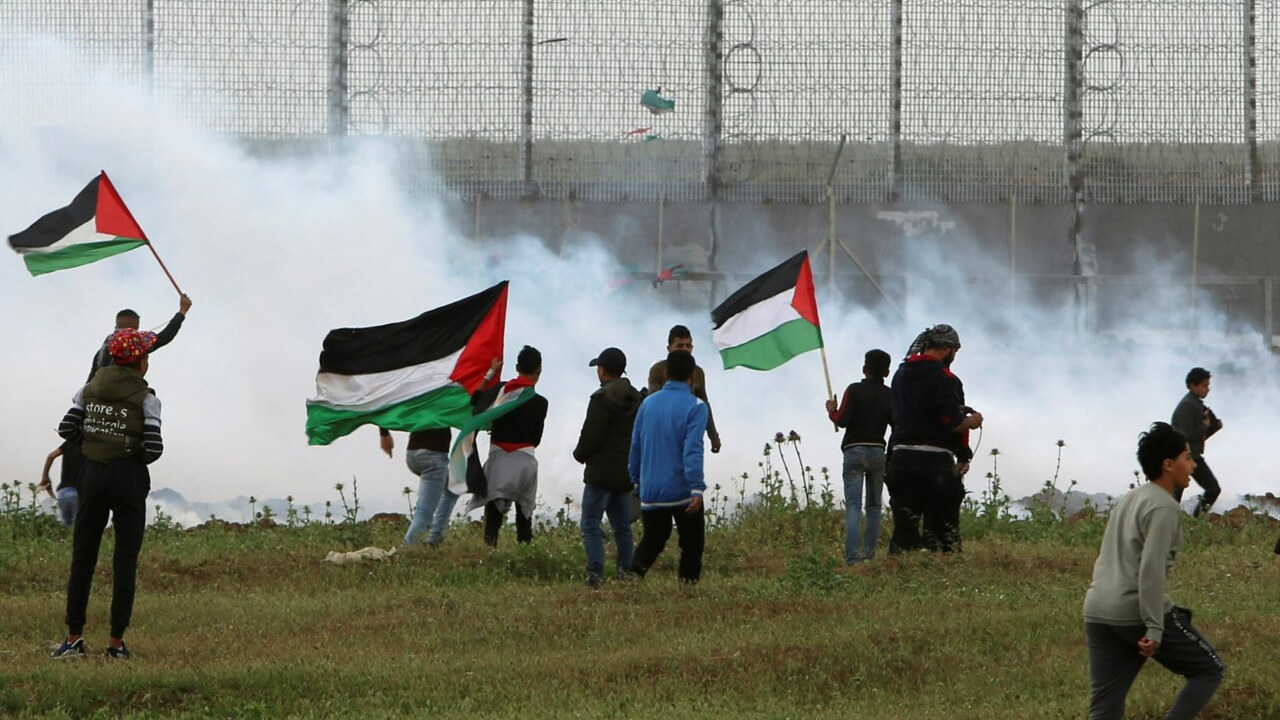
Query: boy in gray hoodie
(1128, 616)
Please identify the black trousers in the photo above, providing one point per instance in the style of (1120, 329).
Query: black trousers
(1205, 478)
(925, 496)
(120, 490)
(494, 517)
(1114, 663)
(657, 523)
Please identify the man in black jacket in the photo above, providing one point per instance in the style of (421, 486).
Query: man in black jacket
(604, 446)
(928, 448)
(128, 319)
(1192, 418)
(865, 412)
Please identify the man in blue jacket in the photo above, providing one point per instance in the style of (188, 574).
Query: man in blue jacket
(666, 463)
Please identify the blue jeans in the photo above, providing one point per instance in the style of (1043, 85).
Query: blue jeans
(435, 502)
(597, 501)
(68, 501)
(862, 464)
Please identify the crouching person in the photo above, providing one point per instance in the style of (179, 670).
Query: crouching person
(116, 421)
(666, 462)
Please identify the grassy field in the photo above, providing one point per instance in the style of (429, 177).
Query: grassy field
(247, 622)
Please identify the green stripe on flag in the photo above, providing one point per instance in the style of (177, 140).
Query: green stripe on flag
(39, 263)
(775, 347)
(464, 443)
(449, 406)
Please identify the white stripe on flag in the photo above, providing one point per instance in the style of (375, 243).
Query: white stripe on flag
(377, 390)
(86, 233)
(759, 319)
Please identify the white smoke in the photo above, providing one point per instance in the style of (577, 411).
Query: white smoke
(276, 252)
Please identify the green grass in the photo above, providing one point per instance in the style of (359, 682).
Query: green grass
(236, 621)
(247, 622)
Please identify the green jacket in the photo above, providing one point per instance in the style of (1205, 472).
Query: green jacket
(605, 441)
(113, 414)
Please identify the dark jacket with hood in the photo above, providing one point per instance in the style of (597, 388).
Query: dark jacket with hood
(605, 442)
(928, 403)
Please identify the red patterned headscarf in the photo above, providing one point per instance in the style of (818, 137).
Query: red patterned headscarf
(128, 345)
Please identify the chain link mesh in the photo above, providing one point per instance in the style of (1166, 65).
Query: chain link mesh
(953, 100)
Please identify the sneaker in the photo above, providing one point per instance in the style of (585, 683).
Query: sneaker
(118, 653)
(595, 582)
(69, 650)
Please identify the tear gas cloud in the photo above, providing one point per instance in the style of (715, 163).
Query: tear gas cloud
(276, 252)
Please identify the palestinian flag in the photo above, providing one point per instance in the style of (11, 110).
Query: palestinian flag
(770, 320)
(408, 375)
(94, 226)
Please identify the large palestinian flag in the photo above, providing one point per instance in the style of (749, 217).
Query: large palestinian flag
(770, 320)
(94, 226)
(408, 375)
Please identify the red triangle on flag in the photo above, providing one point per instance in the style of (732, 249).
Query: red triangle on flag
(484, 345)
(805, 300)
(111, 216)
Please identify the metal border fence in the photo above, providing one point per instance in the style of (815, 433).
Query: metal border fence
(846, 101)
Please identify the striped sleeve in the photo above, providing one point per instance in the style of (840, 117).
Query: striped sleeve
(72, 426)
(152, 442)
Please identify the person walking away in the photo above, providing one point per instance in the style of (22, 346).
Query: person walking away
(865, 414)
(928, 449)
(1128, 615)
(666, 462)
(427, 456)
(603, 448)
(115, 420)
(512, 467)
(1192, 418)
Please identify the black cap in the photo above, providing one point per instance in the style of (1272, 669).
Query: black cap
(613, 360)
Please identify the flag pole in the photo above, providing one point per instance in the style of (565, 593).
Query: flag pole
(826, 373)
(174, 282)
(112, 189)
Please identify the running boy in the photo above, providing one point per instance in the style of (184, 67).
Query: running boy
(1128, 616)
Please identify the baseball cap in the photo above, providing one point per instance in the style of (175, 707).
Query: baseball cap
(613, 360)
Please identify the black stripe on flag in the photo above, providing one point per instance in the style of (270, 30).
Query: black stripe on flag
(58, 224)
(772, 282)
(432, 335)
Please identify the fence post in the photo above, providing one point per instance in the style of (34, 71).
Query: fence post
(895, 103)
(339, 52)
(1073, 142)
(526, 118)
(1251, 100)
(1013, 267)
(1268, 313)
(714, 128)
(149, 45)
(1195, 265)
